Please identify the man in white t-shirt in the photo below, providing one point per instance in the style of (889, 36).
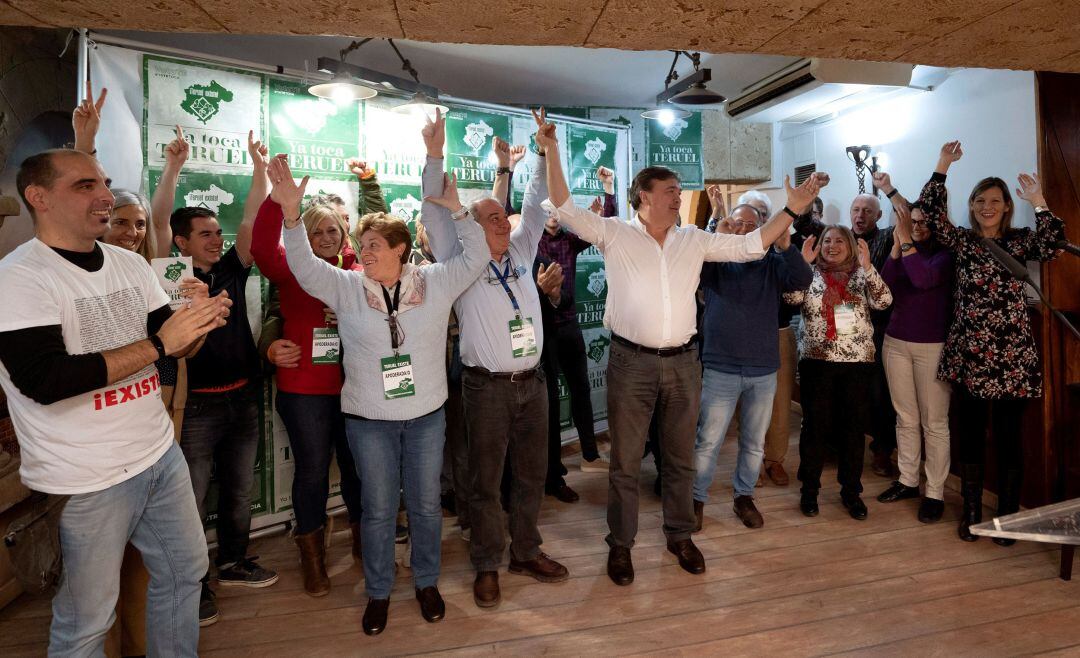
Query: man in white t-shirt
(83, 323)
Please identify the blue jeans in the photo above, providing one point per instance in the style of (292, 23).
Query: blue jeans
(220, 435)
(155, 511)
(316, 430)
(720, 393)
(384, 451)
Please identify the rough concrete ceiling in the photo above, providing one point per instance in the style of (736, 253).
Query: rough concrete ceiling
(1024, 34)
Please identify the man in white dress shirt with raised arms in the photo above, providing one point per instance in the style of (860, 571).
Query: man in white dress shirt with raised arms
(653, 267)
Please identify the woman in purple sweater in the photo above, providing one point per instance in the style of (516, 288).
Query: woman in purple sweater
(919, 272)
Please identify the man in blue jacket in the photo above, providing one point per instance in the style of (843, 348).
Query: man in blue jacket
(741, 354)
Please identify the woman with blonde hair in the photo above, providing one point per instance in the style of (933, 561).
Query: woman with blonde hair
(836, 348)
(309, 390)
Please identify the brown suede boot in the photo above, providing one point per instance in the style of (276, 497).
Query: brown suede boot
(313, 562)
(356, 554)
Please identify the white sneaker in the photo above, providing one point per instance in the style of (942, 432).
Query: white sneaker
(599, 465)
(466, 534)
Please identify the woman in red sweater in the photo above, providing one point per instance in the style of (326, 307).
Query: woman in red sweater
(309, 390)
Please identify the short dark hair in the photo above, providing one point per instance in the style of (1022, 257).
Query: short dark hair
(819, 204)
(181, 219)
(644, 180)
(38, 169)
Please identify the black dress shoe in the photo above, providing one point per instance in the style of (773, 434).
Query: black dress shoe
(1004, 541)
(620, 569)
(808, 505)
(432, 608)
(690, 558)
(564, 493)
(931, 510)
(375, 616)
(897, 491)
(855, 507)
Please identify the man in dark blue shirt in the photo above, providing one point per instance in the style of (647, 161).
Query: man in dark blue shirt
(741, 354)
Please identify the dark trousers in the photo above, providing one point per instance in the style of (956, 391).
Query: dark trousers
(501, 415)
(221, 436)
(833, 410)
(881, 422)
(639, 384)
(316, 432)
(456, 451)
(1005, 420)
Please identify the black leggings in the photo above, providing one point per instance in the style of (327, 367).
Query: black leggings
(1005, 418)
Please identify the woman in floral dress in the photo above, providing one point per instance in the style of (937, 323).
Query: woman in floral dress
(990, 354)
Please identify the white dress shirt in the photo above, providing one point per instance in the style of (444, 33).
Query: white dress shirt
(650, 297)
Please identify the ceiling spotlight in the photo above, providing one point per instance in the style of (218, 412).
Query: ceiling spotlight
(697, 94)
(665, 115)
(419, 104)
(342, 88)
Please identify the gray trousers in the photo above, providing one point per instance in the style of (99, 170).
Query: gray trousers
(502, 415)
(639, 385)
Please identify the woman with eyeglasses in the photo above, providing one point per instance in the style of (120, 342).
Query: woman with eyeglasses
(919, 272)
(990, 355)
(392, 326)
(836, 351)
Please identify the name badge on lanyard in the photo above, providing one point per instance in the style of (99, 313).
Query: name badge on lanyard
(522, 333)
(844, 317)
(325, 346)
(397, 370)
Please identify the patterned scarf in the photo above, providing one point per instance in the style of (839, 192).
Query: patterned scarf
(412, 290)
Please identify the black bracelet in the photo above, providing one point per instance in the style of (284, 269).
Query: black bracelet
(502, 170)
(155, 340)
(791, 212)
(892, 194)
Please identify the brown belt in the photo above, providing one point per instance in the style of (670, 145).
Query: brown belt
(519, 376)
(658, 351)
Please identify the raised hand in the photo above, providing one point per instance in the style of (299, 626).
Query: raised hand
(516, 154)
(883, 181)
(86, 119)
(260, 154)
(810, 250)
(597, 206)
(716, 200)
(950, 153)
(725, 225)
(550, 279)
(285, 192)
(177, 151)
(864, 256)
(284, 353)
(799, 198)
(822, 178)
(449, 198)
(903, 224)
(1030, 189)
(359, 168)
(545, 132)
(502, 151)
(434, 134)
(607, 179)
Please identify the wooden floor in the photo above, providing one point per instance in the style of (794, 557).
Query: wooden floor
(799, 586)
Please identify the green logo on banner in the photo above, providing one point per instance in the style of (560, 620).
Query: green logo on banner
(597, 347)
(476, 136)
(676, 129)
(175, 271)
(211, 199)
(203, 101)
(597, 282)
(594, 150)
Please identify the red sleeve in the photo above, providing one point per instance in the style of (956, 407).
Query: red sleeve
(266, 246)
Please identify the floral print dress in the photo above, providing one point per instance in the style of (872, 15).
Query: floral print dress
(856, 346)
(990, 349)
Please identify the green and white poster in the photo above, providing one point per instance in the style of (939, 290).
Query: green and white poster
(469, 154)
(404, 201)
(214, 106)
(222, 193)
(589, 149)
(318, 135)
(677, 146)
(393, 145)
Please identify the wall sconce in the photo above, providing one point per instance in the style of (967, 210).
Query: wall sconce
(860, 155)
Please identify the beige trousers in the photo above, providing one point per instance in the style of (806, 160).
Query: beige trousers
(779, 434)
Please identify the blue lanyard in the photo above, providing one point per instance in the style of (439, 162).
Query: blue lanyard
(502, 277)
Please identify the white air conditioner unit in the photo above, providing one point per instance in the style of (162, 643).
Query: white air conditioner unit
(812, 88)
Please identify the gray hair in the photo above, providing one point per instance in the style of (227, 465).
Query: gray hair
(751, 196)
(122, 197)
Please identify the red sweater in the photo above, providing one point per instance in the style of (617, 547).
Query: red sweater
(302, 312)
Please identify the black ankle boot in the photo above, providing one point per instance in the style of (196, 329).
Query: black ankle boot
(971, 486)
(1008, 498)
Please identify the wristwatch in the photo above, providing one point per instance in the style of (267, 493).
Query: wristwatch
(1040, 209)
(155, 340)
(460, 214)
(502, 170)
(906, 247)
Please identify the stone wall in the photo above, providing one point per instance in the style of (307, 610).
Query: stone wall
(735, 151)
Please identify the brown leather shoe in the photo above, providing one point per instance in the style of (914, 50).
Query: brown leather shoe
(485, 589)
(690, 558)
(699, 515)
(746, 510)
(564, 494)
(777, 474)
(620, 569)
(357, 555)
(432, 607)
(541, 568)
(374, 621)
(313, 562)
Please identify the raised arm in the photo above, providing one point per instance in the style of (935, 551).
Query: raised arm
(371, 195)
(266, 247)
(878, 295)
(86, 120)
(436, 219)
(805, 224)
(256, 195)
(1039, 244)
(500, 190)
(752, 246)
(164, 200)
(585, 224)
(463, 268)
(934, 198)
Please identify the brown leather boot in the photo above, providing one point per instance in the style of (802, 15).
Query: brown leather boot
(313, 562)
(356, 554)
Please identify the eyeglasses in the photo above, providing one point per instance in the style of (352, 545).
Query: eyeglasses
(920, 222)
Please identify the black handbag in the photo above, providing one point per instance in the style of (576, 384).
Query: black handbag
(33, 543)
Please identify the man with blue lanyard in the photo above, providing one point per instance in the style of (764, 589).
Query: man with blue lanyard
(504, 391)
